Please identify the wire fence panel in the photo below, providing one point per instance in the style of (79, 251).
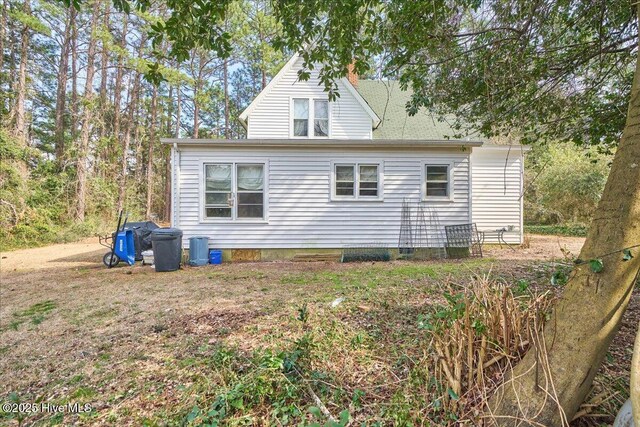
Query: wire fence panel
(463, 240)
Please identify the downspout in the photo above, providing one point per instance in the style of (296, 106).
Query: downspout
(175, 193)
(521, 196)
(470, 180)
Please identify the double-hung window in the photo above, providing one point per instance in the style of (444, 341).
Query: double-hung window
(234, 191)
(306, 110)
(357, 181)
(345, 185)
(437, 181)
(218, 195)
(300, 117)
(320, 117)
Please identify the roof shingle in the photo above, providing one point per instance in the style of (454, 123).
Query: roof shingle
(389, 102)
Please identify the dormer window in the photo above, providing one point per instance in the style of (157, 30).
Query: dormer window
(300, 117)
(320, 117)
(305, 109)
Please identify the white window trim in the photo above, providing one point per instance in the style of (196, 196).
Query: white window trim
(311, 117)
(357, 197)
(203, 219)
(423, 181)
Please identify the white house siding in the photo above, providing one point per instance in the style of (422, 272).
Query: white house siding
(300, 213)
(271, 117)
(496, 181)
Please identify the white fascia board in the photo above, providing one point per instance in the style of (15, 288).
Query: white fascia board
(274, 81)
(340, 143)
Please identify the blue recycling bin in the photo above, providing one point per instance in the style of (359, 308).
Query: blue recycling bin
(125, 248)
(215, 256)
(198, 251)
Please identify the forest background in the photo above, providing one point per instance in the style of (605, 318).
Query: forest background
(80, 124)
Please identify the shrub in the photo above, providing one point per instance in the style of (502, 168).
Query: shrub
(578, 230)
(563, 183)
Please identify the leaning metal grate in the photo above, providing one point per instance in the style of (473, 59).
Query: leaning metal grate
(463, 240)
(371, 252)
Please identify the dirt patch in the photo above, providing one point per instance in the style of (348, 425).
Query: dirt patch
(216, 323)
(538, 247)
(83, 253)
(89, 253)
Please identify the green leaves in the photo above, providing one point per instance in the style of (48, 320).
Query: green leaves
(559, 278)
(596, 265)
(452, 394)
(30, 21)
(317, 413)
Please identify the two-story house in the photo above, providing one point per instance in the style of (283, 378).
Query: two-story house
(321, 175)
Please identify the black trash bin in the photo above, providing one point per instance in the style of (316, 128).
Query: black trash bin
(167, 248)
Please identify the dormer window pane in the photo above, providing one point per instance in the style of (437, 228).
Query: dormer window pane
(321, 117)
(301, 117)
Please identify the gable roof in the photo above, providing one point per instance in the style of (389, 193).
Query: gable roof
(244, 116)
(389, 101)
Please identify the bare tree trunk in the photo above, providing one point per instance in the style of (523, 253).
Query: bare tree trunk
(3, 31)
(169, 116)
(560, 366)
(225, 82)
(137, 143)
(74, 72)
(167, 160)
(152, 140)
(104, 62)
(20, 126)
(61, 91)
(9, 97)
(168, 183)
(196, 111)
(117, 86)
(126, 142)
(83, 143)
(178, 110)
(112, 146)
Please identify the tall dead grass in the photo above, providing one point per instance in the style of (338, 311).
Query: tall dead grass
(484, 327)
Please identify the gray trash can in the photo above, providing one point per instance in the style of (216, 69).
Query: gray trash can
(198, 251)
(167, 248)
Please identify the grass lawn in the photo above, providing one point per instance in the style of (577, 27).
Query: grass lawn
(248, 344)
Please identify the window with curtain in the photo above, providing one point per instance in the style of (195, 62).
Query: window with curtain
(359, 181)
(234, 191)
(301, 117)
(437, 181)
(217, 196)
(368, 181)
(250, 191)
(320, 117)
(345, 180)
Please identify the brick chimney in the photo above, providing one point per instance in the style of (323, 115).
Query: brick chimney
(352, 75)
